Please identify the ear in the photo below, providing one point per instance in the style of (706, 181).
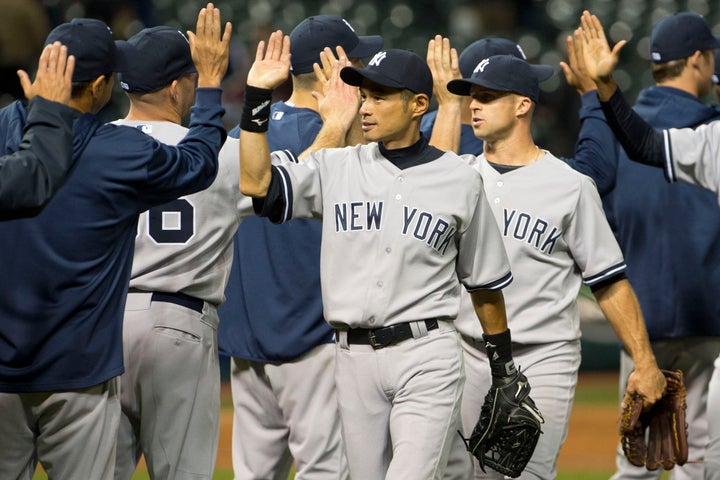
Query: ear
(174, 92)
(524, 106)
(421, 103)
(98, 86)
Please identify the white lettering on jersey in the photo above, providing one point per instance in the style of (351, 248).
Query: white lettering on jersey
(349, 216)
(435, 232)
(533, 231)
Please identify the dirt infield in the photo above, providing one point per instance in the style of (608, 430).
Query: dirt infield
(592, 436)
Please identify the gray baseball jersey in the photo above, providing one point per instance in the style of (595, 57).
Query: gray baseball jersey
(557, 236)
(391, 236)
(186, 245)
(693, 156)
(170, 389)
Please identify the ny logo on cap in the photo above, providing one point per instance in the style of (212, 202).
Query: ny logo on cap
(481, 66)
(379, 57)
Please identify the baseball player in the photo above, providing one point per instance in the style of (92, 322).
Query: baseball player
(556, 236)
(30, 176)
(681, 323)
(272, 323)
(170, 391)
(685, 154)
(468, 59)
(406, 225)
(66, 271)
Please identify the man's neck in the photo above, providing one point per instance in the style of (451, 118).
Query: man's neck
(147, 113)
(302, 98)
(518, 150)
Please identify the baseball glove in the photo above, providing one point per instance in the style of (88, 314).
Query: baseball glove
(665, 443)
(509, 427)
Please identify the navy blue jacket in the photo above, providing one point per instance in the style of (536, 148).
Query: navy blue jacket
(669, 233)
(65, 273)
(273, 312)
(30, 176)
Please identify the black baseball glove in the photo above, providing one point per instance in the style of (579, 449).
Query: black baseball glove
(509, 427)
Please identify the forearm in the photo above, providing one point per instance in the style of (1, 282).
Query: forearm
(255, 162)
(595, 150)
(446, 129)
(622, 309)
(640, 141)
(489, 307)
(331, 135)
(32, 175)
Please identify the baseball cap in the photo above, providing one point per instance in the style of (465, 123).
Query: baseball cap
(92, 44)
(505, 73)
(394, 68)
(679, 36)
(153, 58)
(313, 34)
(487, 47)
(716, 73)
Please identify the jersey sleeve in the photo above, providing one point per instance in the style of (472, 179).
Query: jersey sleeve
(482, 261)
(694, 155)
(32, 175)
(295, 189)
(192, 164)
(596, 153)
(590, 239)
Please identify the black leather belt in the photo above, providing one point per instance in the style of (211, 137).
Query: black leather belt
(177, 298)
(385, 336)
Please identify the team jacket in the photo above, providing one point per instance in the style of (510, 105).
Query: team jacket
(66, 271)
(671, 249)
(30, 176)
(273, 311)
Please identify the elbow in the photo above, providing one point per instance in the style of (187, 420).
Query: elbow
(254, 188)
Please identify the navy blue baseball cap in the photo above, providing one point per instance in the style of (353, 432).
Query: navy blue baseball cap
(679, 36)
(716, 73)
(92, 44)
(505, 73)
(394, 68)
(153, 58)
(313, 34)
(487, 47)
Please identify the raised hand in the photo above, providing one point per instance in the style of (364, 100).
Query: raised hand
(339, 102)
(575, 71)
(53, 80)
(272, 64)
(324, 70)
(444, 66)
(210, 51)
(599, 59)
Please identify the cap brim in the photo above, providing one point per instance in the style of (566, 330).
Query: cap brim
(354, 76)
(367, 46)
(462, 86)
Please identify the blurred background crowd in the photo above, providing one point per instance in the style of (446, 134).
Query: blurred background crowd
(539, 26)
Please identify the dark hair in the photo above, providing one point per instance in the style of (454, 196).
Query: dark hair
(668, 70)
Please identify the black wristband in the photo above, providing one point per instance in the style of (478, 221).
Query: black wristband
(256, 110)
(499, 352)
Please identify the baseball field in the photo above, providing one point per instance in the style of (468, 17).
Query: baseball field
(588, 453)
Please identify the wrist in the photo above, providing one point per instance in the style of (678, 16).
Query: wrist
(256, 109)
(499, 352)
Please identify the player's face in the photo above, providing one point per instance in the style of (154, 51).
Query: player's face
(387, 115)
(493, 113)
